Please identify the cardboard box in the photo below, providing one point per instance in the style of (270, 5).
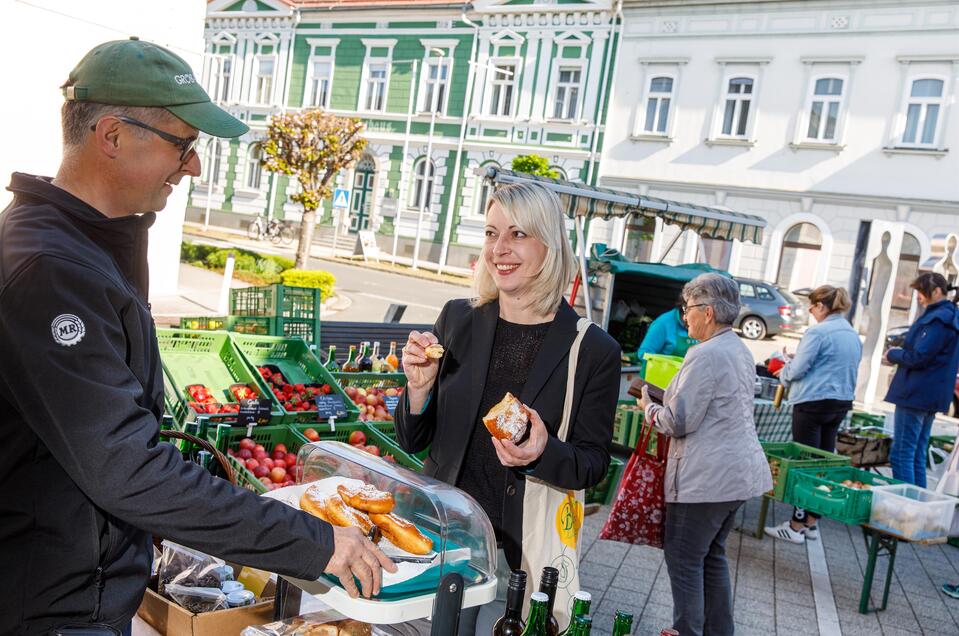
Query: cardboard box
(171, 619)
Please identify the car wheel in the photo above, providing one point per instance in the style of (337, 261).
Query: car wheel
(753, 328)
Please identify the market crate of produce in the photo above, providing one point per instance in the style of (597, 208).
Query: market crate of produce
(294, 374)
(603, 492)
(860, 419)
(784, 456)
(205, 323)
(306, 328)
(912, 512)
(376, 395)
(389, 429)
(842, 493)
(623, 424)
(865, 446)
(276, 300)
(256, 458)
(373, 440)
(205, 375)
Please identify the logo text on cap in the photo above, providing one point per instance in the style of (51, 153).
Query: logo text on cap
(186, 78)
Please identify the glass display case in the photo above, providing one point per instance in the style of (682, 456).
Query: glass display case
(461, 534)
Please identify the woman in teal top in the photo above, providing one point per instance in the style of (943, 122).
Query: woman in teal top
(666, 335)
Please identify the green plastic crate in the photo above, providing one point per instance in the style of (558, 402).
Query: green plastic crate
(276, 300)
(368, 379)
(374, 437)
(208, 358)
(842, 503)
(603, 492)
(389, 429)
(297, 363)
(623, 423)
(205, 323)
(224, 437)
(784, 456)
(306, 328)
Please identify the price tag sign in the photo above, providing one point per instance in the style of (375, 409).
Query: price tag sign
(391, 402)
(254, 412)
(329, 405)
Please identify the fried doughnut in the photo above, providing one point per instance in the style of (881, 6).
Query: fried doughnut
(403, 534)
(342, 515)
(507, 419)
(313, 502)
(366, 498)
(434, 351)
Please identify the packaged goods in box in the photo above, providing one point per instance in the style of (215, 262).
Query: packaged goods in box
(912, 512)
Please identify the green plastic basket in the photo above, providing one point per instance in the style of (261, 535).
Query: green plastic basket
(276, 300)
(807, 489)
(785, 456)
(298, 365)
(660, 369)
(306, 328)
(208, 358)
(205, 323)
(389, 429)
(374, 437)
(603, 492)
(224, 437)
(369, 380)
(625, 421)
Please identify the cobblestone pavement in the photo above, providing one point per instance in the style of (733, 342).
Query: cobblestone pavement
(774, 583)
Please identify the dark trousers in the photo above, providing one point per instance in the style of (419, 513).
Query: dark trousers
(695, 551)
(816, 424)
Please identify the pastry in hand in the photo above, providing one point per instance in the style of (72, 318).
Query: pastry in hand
(507, 419)
(434, 351)
(367, 498)
(403, 534)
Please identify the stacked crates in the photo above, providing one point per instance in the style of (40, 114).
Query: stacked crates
(276, 310)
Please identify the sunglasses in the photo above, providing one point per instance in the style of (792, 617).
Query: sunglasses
(186, 144)
(685, 308)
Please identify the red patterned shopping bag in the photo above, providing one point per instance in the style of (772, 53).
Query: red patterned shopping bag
(639, 511)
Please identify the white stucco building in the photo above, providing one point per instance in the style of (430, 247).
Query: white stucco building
(819, 116)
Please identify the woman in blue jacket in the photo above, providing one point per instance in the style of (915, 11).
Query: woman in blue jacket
(926, 377)
(667, 335)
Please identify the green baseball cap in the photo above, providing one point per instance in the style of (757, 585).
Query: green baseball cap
(136, 73)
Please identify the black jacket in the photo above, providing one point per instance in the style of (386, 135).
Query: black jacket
(83, 481)
(447, 422)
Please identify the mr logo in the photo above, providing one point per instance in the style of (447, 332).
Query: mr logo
(67, 330)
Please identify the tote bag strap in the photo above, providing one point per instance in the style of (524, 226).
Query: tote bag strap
(582, 326)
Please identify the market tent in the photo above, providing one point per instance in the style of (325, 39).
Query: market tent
(581, 200)
(685, 272)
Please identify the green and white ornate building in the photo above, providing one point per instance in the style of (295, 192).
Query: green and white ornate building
(505, 79)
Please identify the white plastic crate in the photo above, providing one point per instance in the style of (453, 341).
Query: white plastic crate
(912, 512)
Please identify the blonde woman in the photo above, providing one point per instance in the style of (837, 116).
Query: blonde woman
(514, 336)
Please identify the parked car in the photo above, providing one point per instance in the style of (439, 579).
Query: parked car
(766, 310)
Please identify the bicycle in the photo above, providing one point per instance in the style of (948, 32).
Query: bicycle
(277, 231)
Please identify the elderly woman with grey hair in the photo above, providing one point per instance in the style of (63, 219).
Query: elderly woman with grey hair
(715, 461)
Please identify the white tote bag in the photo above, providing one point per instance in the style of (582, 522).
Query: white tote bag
(553, 517)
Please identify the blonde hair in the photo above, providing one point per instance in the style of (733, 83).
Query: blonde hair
(538, 212)
(835, 299)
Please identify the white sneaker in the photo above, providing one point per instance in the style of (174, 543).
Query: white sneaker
(785, 532)
(811, 533)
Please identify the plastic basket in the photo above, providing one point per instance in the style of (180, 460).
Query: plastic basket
(660, 369)
(306, 328)
(211, 359)
(820, 491)
(298, 365)
(225, 437)
(785, 456)
(276, 300)
(389, 429)
(912, 512)
(374, 437)
(369, 380)
(624, 422)
(602, 493)
(204, 323)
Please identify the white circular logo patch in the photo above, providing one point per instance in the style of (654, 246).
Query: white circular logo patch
(67, 329)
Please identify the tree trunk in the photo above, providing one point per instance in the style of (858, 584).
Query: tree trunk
(307, 226)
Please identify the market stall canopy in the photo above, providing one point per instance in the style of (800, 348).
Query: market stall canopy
(603, 203)
(683, 273)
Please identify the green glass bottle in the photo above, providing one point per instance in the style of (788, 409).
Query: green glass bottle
(536, 622)
(581, 603)
(583, 625)
(331, 364)
(622, 624)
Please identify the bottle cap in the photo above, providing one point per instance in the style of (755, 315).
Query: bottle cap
(240, 598)
(620, 614)
(540, 597)
(231, 586)
(583, 595)
(223, 573)
(550, 575)
(517, 578)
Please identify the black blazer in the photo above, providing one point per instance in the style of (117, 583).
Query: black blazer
(446, 424)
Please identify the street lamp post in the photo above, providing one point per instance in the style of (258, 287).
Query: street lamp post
(401, 193)
(217, 61)
(426, 166)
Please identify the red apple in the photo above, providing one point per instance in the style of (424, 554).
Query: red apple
(280, 447)
(244, 453)
(251, 464)
(278, 475)
(261, 471)
(373, 450)
(357, 437)
(266, 481)
(258, 448)
(259, 455)
(278, 454)
(311, 435)
(280, 463)
(248, 443)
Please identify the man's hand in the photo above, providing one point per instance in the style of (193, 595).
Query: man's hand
(529, 451)
(355, 555)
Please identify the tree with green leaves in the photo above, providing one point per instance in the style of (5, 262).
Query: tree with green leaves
(534, 165)
(313, 146)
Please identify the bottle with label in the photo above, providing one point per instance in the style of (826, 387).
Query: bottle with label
(547, 585)
(391, 360)
(536, 622)
(622, 624)
(511, 623)
(377, 360)
(365, 361)
(581, 603)
(331, 364)
(350, 366)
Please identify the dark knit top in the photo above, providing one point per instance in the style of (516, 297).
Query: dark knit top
(483, 476)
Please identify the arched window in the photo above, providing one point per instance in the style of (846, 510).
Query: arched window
(419, 176)
(797, 262)
(907, 271)
(254, 171)
(483, 191)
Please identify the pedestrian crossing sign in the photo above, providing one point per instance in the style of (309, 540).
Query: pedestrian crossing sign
(341, 198)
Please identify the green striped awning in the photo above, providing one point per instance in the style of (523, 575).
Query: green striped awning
(604, 203)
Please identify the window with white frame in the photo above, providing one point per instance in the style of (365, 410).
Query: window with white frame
(375, 87)
(264, 68)
(658, 101)
(825, 106)
(503, 88)
(566, 100)
(436, 82)
(483, 191)
(738, 99)
(922, 110)
(212, 157)
(422, 184)
(319, 83)
(254, 171)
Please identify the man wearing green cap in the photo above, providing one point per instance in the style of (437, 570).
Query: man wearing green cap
(84, 481)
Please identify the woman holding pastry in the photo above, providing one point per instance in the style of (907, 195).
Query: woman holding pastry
(490, 402)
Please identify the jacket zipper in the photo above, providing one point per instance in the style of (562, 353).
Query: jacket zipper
(98, 581)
